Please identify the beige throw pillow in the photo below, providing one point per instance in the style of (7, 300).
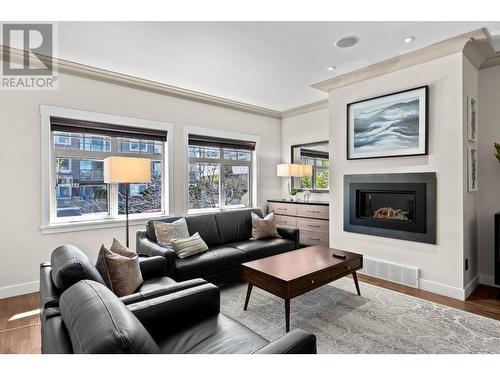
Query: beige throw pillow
(185, 247)
(264, 228)
(119, 267)
(167, 232)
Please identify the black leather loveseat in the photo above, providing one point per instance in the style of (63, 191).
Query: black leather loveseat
(94, 320)
(227, 235)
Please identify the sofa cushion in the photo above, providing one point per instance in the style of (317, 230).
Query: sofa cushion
(216, 259)
(235, 226)
(167, 232)
(207, 228)
(256, 249)
(98, 322)
(217, 334)
(70, 265)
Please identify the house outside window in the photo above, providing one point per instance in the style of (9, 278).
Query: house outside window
(78, 152)
(220, 173)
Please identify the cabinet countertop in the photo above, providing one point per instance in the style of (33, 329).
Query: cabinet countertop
(319, 203)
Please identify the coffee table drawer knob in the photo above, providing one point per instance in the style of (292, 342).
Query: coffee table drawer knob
(311, 281)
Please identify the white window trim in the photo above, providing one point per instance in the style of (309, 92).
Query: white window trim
(48, 194)
(220, 134)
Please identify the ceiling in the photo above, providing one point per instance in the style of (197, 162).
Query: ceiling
(267, 64)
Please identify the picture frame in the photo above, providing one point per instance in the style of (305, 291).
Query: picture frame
(472, 168)
(472, 129)
(390, 125)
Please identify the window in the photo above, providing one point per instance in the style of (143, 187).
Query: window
(219, 173)
(78, 152)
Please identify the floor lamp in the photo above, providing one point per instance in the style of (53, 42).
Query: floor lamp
(125, 170)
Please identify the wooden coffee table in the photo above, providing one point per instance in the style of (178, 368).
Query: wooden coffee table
(291, 274)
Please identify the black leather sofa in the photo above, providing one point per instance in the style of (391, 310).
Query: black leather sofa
(227, 235)
(93, 320)
(69, 265)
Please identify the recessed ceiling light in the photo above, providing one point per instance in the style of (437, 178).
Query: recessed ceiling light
(408, 39)
(347, 41)
(330, 68)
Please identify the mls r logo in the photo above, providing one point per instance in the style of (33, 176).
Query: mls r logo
(34, 40)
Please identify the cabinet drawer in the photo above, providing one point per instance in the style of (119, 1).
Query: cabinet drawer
(286, 221)
(282, 208)
(313, 211)
(314, 238)
(312, 225)
(310, 281)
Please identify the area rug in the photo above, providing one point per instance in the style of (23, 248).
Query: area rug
(380, 321)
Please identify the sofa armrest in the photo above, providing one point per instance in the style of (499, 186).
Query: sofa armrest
(144, 246)
(290, 234)
(173, 312)
(161, 290)
(294, 342)
(49, 294)
(155, 266)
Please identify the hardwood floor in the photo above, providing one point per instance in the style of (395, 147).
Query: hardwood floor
(21, 333)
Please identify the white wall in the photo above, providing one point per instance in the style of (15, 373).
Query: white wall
(304, 128)
(470, 89)
(441, 264)
(489, 167)
(23, 247)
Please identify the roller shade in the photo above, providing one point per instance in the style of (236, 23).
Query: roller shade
(111, 130)
(202, 140)
(314, 153)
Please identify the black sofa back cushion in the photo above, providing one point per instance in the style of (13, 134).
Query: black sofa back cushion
(235, 226)
(70, 265)
(99, 323)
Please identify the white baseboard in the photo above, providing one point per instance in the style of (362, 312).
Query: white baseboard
(469, 288)
(17, 290)
(442, 289)
(487, 280)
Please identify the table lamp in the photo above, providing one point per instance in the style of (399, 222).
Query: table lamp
(126, 170)
(289, 170)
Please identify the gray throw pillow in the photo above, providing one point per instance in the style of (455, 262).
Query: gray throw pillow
(167, 232)
(264, 228)
(185, 247)
(119, 267)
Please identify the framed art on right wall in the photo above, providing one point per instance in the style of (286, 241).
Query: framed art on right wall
(471, 168)
(471, 119)
(388, 126)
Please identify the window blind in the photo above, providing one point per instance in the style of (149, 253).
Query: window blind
(111, 130)
(203, 140)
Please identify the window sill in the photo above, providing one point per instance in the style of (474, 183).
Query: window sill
(197, 211)
(78, 226)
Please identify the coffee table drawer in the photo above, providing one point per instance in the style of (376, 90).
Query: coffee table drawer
(346, 268)
(310, 281)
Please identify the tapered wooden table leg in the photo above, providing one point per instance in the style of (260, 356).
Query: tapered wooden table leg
(287, 315)
(355, 277)
(249, 291)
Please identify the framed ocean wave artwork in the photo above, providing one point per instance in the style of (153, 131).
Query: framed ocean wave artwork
(388, 126)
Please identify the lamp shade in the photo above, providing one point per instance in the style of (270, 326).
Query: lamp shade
(306, 171)
(288, 170)
(118, 169)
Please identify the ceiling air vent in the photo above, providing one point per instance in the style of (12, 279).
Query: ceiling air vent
(348, 41)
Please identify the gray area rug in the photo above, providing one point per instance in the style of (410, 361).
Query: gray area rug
(380, 321)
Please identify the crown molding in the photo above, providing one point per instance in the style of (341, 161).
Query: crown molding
(305, 108)
(86, 71)
(419, 56)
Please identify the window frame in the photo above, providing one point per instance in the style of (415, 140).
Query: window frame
(50, 222)
(252, 164)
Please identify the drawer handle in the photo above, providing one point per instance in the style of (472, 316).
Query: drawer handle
(314, 212)
(311, 281)
(314, 226)
(314, 239)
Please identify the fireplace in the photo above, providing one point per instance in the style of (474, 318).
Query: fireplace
(391, 205)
